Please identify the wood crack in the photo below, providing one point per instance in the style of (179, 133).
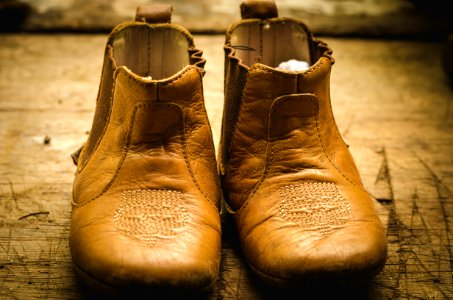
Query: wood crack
(383, 180)
(442, 199)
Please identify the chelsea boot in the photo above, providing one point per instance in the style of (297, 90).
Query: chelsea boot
(289, 180)
(146, 193)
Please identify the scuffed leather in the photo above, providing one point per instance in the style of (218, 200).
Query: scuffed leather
(287, 163)
(157, 140)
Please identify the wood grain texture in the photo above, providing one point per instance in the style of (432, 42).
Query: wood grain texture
(391, 101)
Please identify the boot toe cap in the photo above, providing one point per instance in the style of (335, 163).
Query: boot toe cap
(184, 257)
(291, 255)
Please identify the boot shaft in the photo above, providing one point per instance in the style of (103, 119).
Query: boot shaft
(273, 115)
(288, 178)
(150, 104)
(141, 61)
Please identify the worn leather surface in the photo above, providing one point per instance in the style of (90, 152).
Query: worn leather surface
(290, 182)
(146, 198)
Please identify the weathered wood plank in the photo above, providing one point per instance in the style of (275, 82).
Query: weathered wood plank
(391, 102)
(401, 110)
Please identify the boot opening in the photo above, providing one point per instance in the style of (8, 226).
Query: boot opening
(157, 52)
(271, 42)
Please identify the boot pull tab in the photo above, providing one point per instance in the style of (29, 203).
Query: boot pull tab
(158, 13)
(258, 9)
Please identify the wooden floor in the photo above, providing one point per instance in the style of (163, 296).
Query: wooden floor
(390, 99)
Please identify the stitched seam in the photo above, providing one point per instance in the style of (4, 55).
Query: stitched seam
(165, 82)
(130, 77)
(98, 142)
(265, 173)
(178, 77)
(123, 158)
(331, 162)
(311, 70)
(126, 150)
(271, 71)
(270, 157)
(105, 126)
(244, 94)
(186, 160)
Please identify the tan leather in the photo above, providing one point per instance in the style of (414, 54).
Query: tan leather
(146, 192)
(262, 9)
(289, 180)
(154, 13)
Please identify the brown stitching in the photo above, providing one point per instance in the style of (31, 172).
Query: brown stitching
(180, 75)
(314, 67)
(174, 79)
(154, 202)
(265, 173)
(186, 160)
(331, 162)
(268, 164)
(249, 194)
(130, 77)
(123, 158)
(260, 182)
(244, 94)
(270, 70)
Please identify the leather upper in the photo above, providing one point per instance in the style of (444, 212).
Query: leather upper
(146, 193)
(289, 179)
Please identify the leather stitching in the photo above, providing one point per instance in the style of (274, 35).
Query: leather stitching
(125, 151)
(189, 168)
(244, 94)
(123, 156)
(332, 163)
(269, 160)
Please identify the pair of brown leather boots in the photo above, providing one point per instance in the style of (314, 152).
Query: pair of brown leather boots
(148, 187)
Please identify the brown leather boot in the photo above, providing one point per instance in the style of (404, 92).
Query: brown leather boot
(146, 192)
(289, 180)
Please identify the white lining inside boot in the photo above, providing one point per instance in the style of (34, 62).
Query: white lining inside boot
(154, 52)
(270, 42)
